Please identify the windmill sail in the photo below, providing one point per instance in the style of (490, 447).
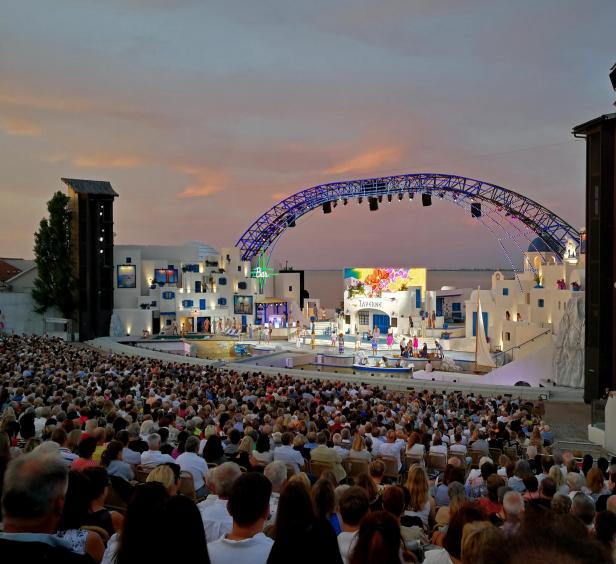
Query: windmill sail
(482, 350)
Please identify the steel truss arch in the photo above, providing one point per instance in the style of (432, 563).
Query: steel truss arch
(266, 229)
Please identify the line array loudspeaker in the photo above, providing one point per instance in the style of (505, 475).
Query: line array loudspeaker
(373, 203)
(327, 207)
(426, 199)
(476, 209)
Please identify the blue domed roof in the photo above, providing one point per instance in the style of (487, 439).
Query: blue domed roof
(538, 245)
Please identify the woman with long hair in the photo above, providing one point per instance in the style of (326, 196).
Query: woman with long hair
(358, 450)
(213, 451)
(324, 501)
(73, 517)
(414, 445)
(595, 485)
(379, 541)
(111, 459)
(299, 536)
(420, 503)
(244, 451)
(262, 455)
(98, 515)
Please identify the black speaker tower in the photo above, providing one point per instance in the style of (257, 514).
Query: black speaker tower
(426, 199)
(92, 242)
(600, 339)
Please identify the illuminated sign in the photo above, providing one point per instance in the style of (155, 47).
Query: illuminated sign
(262, 272)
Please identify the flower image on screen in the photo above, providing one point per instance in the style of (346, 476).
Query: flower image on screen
(372, 282)
(127, 276)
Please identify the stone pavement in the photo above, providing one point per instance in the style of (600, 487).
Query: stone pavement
(568, 420)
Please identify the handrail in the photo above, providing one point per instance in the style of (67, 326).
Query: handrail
(522, 344)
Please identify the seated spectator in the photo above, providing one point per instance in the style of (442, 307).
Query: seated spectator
(438, 447)
(184, 538)
(34, 491)
(153, 457)
(337, 440)
(287, 454)
(216, 519)
(324, 500)
(531, 488)
(112, 461)
(561, 504)
(366, 482)
(169, 475)
(98, 515)
(376, 470)
(490, 504)
(456, 492)
(276, 473)
(583, 508)
(74, 512)
(557, 477)
(60, 437)
(135, 442)
(458, 447)
(547, 490)
(475, 536)
(213, 451)
(233, 442)
(326, 455)
(299, 536)
(243, 453)
(392, 448)
(190, 461)
(452, 541)
(129, 455)
(85, 450)
(353, 506)
(522, 470)
(414, 445)
(595, 484)
(420, 503)
(379, 540)
(394, 503)
(248, 506)
(513, 510)
(358, 450)
(262, 454)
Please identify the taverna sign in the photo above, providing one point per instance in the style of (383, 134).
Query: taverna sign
(369, 304)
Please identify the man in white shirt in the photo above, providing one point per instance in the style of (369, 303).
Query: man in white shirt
(457, 447)
(190, 461)
(287, 454)
(153, 457)
(60, 437)
(337, 440)
(249, 506)
(354, 505)
(216, 519)
(392, 448)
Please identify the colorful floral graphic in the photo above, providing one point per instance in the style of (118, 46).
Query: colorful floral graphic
(372, 282)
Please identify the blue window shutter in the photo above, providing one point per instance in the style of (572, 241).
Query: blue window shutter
(222, 281)
(202, 304)
(505, 291)
(418, 298)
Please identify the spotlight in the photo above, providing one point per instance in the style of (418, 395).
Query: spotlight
(292, 223)
(476, 209)
(426, 199)
(345, 201)
(411, 195)
(389, 198)
(400, 196)
(335, 203)
(373, 203)
(441, 195)
(327, 207)
(360, 200)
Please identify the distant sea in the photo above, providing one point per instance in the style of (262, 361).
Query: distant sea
(327, 285)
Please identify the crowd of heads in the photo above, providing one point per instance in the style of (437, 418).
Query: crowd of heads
(78, 425)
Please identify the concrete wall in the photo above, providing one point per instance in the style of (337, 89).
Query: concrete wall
(19, 315)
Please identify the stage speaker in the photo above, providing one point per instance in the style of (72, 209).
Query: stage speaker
(373, 203)
(476, 209)
(426, 199)
(327, 207)
(291, 223)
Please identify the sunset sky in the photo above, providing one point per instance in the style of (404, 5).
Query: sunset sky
(203, 114)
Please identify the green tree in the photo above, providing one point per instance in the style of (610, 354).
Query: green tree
(55, 283)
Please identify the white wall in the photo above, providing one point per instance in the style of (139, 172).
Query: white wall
(19, 315)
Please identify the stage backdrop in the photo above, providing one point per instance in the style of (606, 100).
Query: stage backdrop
(375, 281)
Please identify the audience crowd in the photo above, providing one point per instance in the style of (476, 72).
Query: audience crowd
(116, 459)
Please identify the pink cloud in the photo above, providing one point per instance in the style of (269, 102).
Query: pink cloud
(107, 161)
(19, 126)
(366, 162)
(205, 181)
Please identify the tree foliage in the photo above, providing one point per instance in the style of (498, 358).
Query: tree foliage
(55, 283)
